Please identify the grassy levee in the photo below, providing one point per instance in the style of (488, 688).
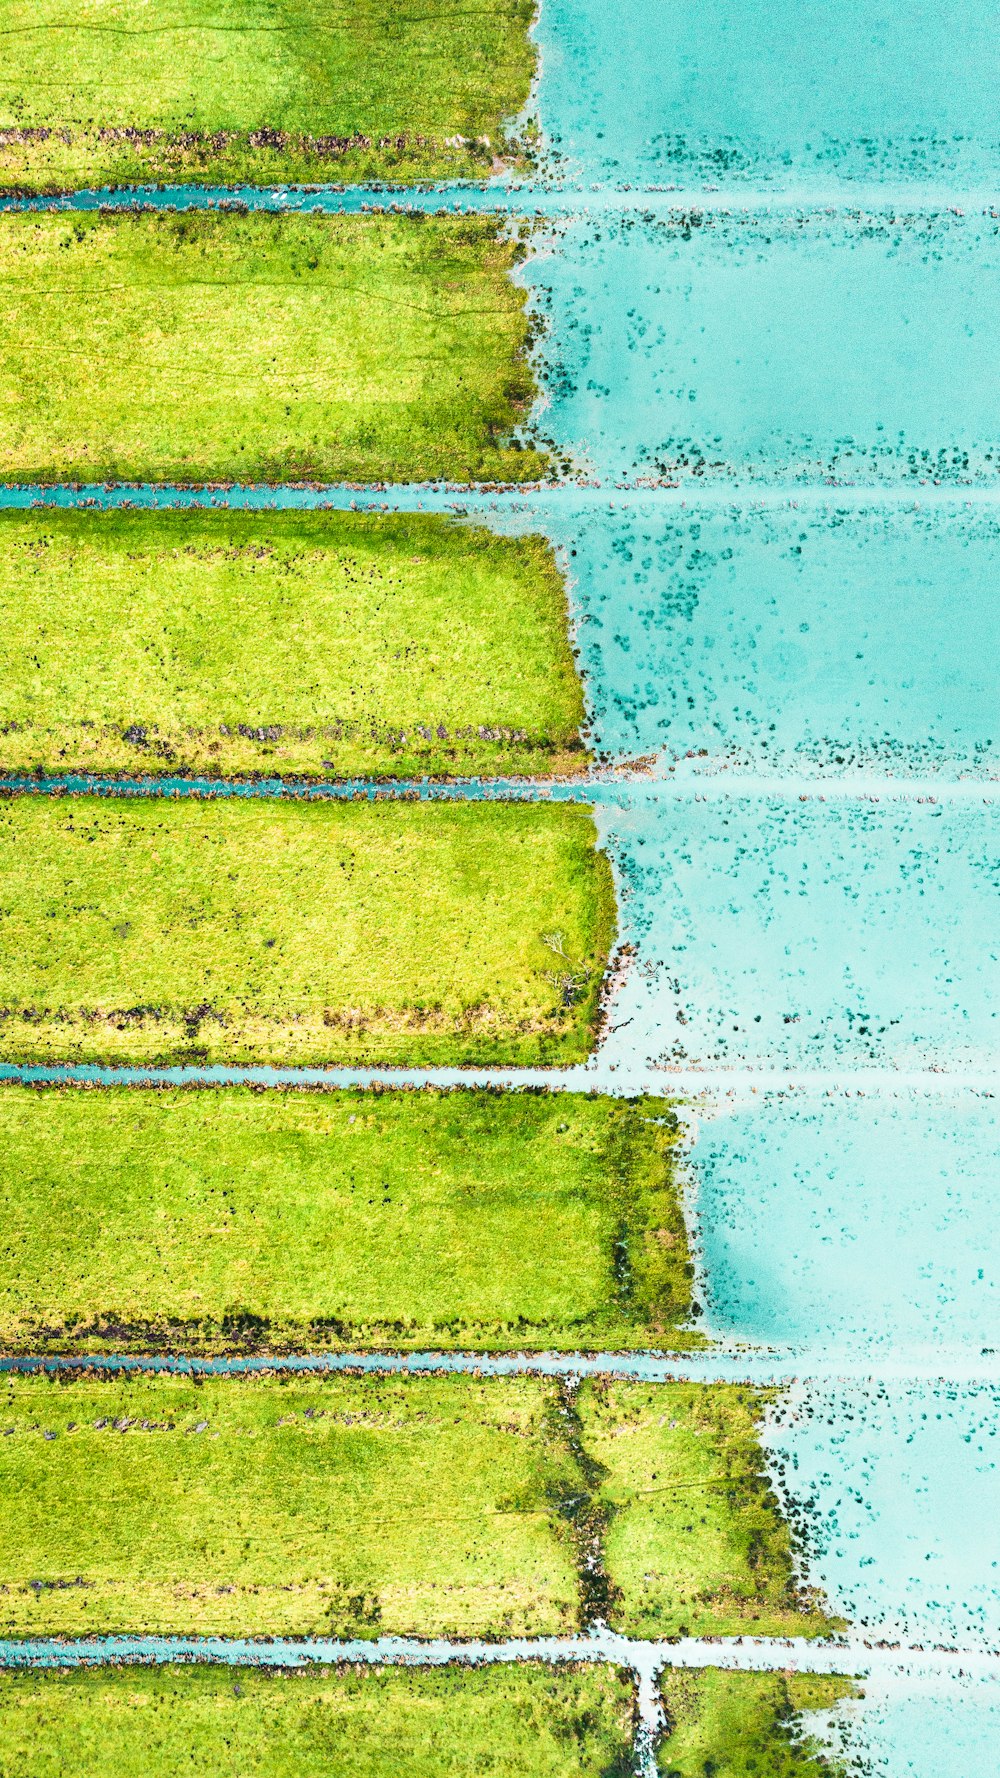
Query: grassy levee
(234, 1221)
(237, 92)
(305, 644)
(261, 931)
(380, 1722)
(747, 1725)
(273, 1506)
(206, 347)
(695, 1542)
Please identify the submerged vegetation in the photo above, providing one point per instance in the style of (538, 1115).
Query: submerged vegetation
(377, 1722)
(244, 930)
(747, 1725)
(244, 93)
(241, 1220)
(274, 1504)
(331, 644)
(152, 346)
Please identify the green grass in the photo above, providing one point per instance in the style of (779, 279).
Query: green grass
(233, 91)
(310, 644)
(247, 931)
(384, 1722)
(157, 347)
(237, 1220)
(257, 1506)
(276, 1504)
(696, 1544)
(747, 1725)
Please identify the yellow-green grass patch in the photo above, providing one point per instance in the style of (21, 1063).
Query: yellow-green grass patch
(234, 1220)
(375, 1722)
(321, 645)
(265, 1505)
(696, 1544)
(235, 91)
(206, 347)
(748, 1725)
(245, 930)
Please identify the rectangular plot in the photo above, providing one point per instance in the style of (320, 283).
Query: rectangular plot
(188, 348)
(246, 93)
(383, 1722)
(235, 1220)
(780, 932)
(788, 638)
(793, 96)
(739, 1723)
(286, 932)
(263, 1506)
(334, 644)
(798, 347)
(695, 1542)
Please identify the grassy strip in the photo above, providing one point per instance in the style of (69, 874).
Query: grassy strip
(245, 1221)
(292, 932)
(747, 1725)
(155, 347)
(380, 1722)
(695, 1542)
(272, 1506)
(311, 644)
(233, 92)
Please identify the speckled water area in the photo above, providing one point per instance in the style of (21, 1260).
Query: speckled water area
(850, 1226)
(788, 347)
(808, 934)
(800, 92)
(931, 1730)
(801, 359)
(828, 641)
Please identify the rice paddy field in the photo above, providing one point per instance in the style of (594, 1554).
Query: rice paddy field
(343, 1506)
(332, 644)
(388, 1722)
(149, 346)
(144, 930)
(126, 93)
(235, 1220)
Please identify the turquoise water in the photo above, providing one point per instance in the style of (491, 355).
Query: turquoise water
(797, 92)
(808, 934)
(934, 1729)
(894, 1488)
(784, 347)
(854, 1224)
(826, 641)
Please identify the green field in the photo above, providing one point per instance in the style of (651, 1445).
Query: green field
(150, 930)
(284, 1505)
(201, 347)
(239, 91)
(312, 644)
(236, 1220)
(747, 1725)
(255, 1507)
(696, 1543)
(380, 1722)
